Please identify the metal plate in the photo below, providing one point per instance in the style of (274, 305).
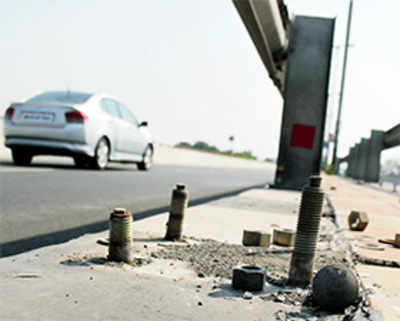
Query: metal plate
(35, 117)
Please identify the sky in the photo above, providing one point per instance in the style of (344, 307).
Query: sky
(191, 70)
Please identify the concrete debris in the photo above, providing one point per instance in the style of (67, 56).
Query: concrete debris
(280, 316)
(247, 295)
(217, 259)
(289, 297)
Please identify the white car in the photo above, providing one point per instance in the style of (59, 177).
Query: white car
(94, 129)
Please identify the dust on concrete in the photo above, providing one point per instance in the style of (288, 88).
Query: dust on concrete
(77, 259)
(214, 260)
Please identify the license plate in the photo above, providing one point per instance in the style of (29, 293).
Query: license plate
(38, 117)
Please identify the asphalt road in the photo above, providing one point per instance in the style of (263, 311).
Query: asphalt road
(52, 203)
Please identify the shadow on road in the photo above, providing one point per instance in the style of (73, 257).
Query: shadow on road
(27, 244)
(111, 167)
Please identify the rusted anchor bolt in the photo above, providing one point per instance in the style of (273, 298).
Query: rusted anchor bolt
(358, 221)
(301, 265)
(248, 278)
(256, 238)
(120, 246)
(335, 287)
(179, 202)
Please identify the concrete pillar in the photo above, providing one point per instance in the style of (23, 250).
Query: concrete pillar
(353, 161)
(305, 101)
(362, 159)
(354, 170)
(374, 156)
(350, 162)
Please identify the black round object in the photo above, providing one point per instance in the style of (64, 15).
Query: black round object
(335, 287)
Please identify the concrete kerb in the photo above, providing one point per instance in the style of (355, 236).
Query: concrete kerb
(341, 240)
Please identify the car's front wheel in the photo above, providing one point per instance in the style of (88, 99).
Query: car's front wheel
(147, 160)
(21, 158)
(102, 153)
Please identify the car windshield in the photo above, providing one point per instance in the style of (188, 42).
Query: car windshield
(61, 96)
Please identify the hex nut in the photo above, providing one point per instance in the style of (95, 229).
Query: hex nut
(285, 237)
(248, 278)
(256, 238)
(119, 210)
(358, 221)
(335, 287)
(397, 239)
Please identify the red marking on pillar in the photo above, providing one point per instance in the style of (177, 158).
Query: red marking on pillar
(303, 136)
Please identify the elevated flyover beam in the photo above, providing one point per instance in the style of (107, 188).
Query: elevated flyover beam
(391, 137)
(267, 23)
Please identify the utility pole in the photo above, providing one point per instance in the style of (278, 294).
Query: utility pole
(346, 48)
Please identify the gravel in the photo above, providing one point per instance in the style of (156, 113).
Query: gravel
(212, 258)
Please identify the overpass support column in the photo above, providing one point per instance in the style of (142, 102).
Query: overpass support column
(362, 159)
(305, 101)
(374, 156)
(350, 162)
(354, 170)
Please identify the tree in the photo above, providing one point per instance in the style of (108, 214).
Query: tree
(183, 144)
(391, 167)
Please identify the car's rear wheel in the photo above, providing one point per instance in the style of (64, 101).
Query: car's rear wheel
(21, 158)
(102, 153)
(147, 161)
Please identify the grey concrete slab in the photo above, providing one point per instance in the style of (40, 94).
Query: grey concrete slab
(46, 285)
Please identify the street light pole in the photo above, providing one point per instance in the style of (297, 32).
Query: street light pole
(346, 48)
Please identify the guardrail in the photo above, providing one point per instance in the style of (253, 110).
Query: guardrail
(363, 159)
(268, 24)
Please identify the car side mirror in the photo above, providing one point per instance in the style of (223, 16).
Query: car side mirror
(144, 124)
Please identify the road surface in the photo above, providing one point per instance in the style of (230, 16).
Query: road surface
(52, 202)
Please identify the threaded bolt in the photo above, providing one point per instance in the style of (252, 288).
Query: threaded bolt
(302, 261)
(121, 243)
(179, 202)
(180, 186)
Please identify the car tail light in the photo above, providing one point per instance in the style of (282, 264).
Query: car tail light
(9, 113)
(75, 116)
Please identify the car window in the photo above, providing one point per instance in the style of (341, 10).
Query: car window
(110, 107)
(71, 97)
(127, 115)
(105, 106)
